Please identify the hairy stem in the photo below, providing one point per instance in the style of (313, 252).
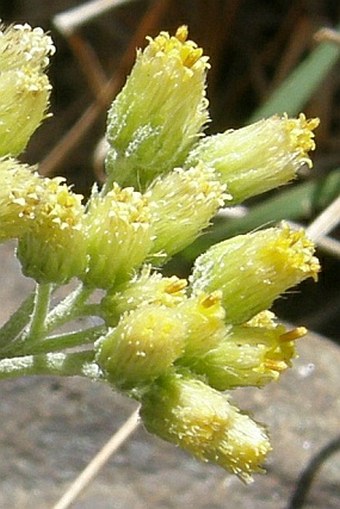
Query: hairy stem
(16, 322)
(60, 342)
(68, 309)
(61, 364)
(36, 328)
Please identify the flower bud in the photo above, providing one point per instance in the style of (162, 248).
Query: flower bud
(190, 414)
(119, 236)
(52, 250)
(248, 356)
(182, 203)
(258, 157)
(24, 88)
(159, 114)
(252, 270)
(143, 346)
(146, 288)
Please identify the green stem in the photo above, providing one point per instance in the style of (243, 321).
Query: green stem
(36, 327)
(15, 324)
(70, 308)
(61, 364)
(60, 342)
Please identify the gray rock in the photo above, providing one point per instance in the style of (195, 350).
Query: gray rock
(51, 428)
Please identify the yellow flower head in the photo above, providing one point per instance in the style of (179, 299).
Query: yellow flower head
(118, 236)
(143, 289)
(24, 87)
(203, 316)
(179, 48)
(20, 189)
(252, 270)
(182, 204)
(248, 356)
(143, 346)
(258, 157)
(301, 135)
(160, 113)
(188, 413)
(53, 247)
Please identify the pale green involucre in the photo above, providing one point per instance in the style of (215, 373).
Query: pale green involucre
(143, 346)
(258, 157)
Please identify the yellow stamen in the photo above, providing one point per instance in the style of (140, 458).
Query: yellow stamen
(294, 334)
(211, 299)
(176, 286)
(300, 132)
(182, 33)
(275, 365)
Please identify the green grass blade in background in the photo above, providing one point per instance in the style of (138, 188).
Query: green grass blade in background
(296, 203)
(291, 96)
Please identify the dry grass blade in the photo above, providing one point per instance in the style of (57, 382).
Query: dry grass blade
(319, 229)
(95, 465)
(326, 221)
(328, 35)
(67, 22)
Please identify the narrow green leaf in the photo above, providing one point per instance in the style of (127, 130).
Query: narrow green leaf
(295, 203)
(291, 96)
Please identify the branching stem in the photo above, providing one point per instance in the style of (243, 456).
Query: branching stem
(73, 306)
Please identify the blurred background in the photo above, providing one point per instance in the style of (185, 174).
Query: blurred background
(265, 59)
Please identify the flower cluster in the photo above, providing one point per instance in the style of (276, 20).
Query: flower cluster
(175, 345)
